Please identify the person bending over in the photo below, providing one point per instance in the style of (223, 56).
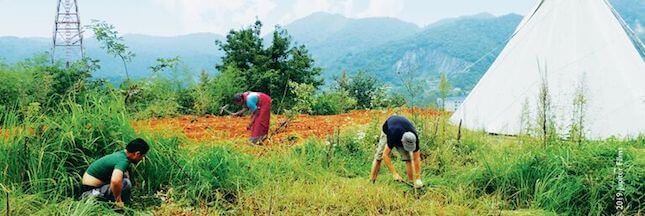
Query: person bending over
(260, 106)
(398, 133)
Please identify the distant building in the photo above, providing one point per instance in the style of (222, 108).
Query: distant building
(452, 103)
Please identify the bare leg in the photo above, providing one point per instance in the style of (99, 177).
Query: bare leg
(376, 166)
(417, 164)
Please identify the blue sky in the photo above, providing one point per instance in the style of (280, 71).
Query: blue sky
(176, 17)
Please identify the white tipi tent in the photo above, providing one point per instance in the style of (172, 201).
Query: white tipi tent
(574, 47)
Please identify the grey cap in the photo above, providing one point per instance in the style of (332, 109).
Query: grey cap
(409, 141)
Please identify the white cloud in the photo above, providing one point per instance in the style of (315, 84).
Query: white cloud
(222, 15)
(639, 28)
(389, 8)
(218, 15)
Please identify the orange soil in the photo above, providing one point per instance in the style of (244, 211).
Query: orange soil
(218, 128)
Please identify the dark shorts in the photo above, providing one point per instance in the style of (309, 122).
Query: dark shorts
(405, 155)
(105, 193)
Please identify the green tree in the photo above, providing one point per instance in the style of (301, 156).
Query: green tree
(202, 96)
(112, 43)
(444, 90)
(269, 69)
(224, 86)
(361, 86)
(408, 73)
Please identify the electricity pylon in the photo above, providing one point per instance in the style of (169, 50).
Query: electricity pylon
(68, 35)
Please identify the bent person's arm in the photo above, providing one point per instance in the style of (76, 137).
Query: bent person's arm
(239, 113)
(116, 184)
(254, 116)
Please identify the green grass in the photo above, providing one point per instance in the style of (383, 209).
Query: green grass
(43, 156)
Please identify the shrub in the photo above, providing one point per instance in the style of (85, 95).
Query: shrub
(368, 92)
(380, 99)
(332, 103)
(304, 97)
(157, 97)
(187, 99)
(363, 87)
(37, 80)
(202, 99)
(223, 87)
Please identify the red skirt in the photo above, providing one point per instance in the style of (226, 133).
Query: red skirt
(261, 125)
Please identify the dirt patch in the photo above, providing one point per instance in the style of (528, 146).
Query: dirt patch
(219, 128)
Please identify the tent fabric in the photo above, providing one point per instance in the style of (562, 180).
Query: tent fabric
(574, 47)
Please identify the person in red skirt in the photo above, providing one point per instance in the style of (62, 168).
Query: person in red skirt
(260, 106)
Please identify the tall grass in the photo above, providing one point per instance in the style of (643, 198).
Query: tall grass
(42, 158)
(571, 179)
(49, 153)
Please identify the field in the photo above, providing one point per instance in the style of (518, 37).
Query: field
(330, 74)
(284, 130)
(315, 165)
(213, 128)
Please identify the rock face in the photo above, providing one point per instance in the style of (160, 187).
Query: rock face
(462, 47)
(432, 60)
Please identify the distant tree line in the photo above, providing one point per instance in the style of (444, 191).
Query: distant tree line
(280, 68)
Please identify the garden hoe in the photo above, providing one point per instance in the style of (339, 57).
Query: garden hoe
(223, 109)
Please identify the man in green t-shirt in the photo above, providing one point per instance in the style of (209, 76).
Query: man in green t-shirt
(107, 178)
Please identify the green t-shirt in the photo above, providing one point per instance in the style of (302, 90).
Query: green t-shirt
(102, 168)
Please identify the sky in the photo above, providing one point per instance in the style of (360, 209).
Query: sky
(34, 18)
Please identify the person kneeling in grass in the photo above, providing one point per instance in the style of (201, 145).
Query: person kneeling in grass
(107, 178)
(398, 132)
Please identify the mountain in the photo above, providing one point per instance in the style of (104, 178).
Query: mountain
(197, 51)
(449, 46)
(463, 47)
(13, 49)
(329, 36)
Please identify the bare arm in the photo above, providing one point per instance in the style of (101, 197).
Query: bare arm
(239, 113)
(116, 184)
(254, 116)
